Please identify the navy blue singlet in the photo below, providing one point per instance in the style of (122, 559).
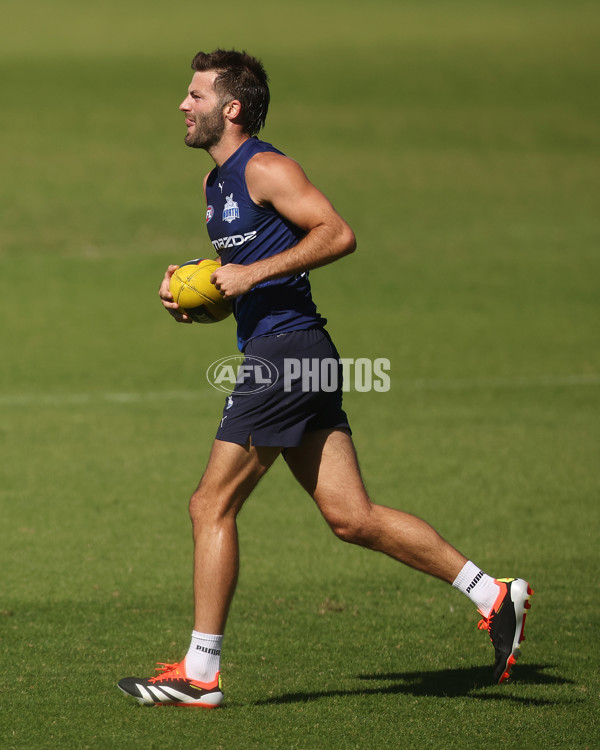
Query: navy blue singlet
(243, 232)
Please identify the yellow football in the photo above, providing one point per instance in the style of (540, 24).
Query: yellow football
(191, 289)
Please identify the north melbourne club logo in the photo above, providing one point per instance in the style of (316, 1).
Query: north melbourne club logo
(231, 211)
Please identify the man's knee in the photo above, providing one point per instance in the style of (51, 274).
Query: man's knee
(197, 509)
(353, 530)
(213, 505)
(205, 508)
(198, 505)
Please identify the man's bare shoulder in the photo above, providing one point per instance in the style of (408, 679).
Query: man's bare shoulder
(269, 173)
(266, 161)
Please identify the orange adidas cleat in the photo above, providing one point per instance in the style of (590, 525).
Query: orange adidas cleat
(173, 688)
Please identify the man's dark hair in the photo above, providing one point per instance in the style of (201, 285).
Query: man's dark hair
(240, 77)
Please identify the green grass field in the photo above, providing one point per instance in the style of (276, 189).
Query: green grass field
(461, 141)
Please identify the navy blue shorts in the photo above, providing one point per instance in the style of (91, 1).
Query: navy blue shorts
(291, 383)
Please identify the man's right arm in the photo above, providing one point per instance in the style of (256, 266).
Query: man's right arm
(280, 182)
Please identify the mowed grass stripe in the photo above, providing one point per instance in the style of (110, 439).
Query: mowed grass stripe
(517, 382)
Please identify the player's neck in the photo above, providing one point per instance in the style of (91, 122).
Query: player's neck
(228, 145)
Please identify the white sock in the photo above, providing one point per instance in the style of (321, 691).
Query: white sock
(481, 589)
(203, 660)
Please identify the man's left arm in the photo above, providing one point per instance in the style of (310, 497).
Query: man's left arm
(280, 182)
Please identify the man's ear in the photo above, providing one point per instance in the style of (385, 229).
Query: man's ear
(233, 110)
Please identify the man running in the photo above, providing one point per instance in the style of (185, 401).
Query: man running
(271, 226)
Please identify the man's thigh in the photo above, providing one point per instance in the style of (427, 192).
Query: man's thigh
(326, 466)
(231, 474)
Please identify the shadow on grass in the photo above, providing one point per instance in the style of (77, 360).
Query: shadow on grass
(445, 683)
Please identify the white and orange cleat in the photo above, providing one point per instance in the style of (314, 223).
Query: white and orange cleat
(506, 624)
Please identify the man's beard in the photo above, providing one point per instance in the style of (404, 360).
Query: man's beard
(208, 129)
